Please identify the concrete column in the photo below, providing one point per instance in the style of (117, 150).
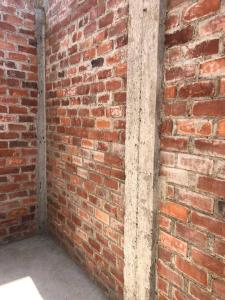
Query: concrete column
(145, 59)
(41, 120)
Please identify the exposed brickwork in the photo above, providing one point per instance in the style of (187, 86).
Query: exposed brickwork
(86, 56)
(191, 253)
(86, 94)
(18, 107)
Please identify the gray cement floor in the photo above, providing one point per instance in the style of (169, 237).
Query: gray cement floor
(38, 269)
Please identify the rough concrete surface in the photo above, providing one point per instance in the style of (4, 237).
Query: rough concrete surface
(41, 120)
(142, 146)
(38, 269)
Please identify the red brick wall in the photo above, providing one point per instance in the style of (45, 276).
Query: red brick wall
(86, 94)
(18, 102)
(191, 262)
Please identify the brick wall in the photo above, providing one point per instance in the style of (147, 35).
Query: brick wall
(191, 262)
(86, 94)
(18, 102)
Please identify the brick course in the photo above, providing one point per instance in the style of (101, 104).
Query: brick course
(191, 227)
(18, 108)
(86, 73)
(86, 52)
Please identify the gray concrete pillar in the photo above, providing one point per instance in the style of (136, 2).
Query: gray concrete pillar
(41, 120)
(145, 60)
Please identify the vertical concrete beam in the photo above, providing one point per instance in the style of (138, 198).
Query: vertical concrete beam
(145, 58)
(41, 120)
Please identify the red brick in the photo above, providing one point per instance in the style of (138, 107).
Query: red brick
(167, 273)
(179, 37)
(6, 188)
(172, 21)
(209, 108)
(174, 144)
(106, 20)
(222, 86)
(195, 163)
(208, 262)
(191, 271)
(162, 285)
(191, 235)
(196, 200)
(166, 127)
(194, 127)
(173, 55)
(12, 19)
(170, 92)
(173, 243)
(105, 47)
(178, 295)
(165, 254)
(175, 109)
(119, 28)
(213, 67)
(113, 160)
(113, 85)
(201, 8)
(199, 294)
(219, 287)
(219, 247)
(213, 25)
(167, 158)
(17, 39)
(7, 46)
(7, 27)
(179, 73)
(18, 57)
(162, 297)
(211, 147)
(17, 3)
(90, 28)
(211, 185)
(199, 89)
(174, 210)
(210, 224)
(164, 222)
(203, 49)
(89, 54)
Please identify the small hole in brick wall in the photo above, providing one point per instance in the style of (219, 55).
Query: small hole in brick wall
(221, 208)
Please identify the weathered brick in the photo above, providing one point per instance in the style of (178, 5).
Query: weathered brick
(211, 185)
(208, 262)
(191, 235)
(200, 9)
(191, 270)
(211, 147)
(219, 287)
(210, 224)
(198, 293)
(174, 210)
(195, 163)
(198, 89)
(173, 243)
(213, 67)
(205, 48)
(178, 73)
(179, 37)
(196, 200)
(209, 108)
(212, 25)
(194, 127)
(169, 274)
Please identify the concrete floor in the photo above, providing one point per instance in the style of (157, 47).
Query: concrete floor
(38, 269)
